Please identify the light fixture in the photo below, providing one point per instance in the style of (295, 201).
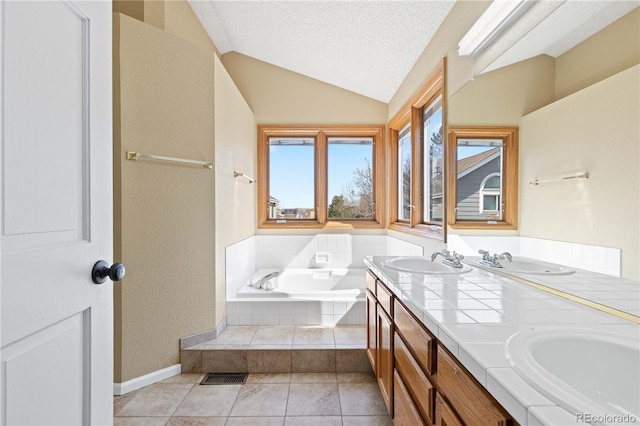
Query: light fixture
(497, 18)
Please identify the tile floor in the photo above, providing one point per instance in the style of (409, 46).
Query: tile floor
(265, 399)
(321, 377)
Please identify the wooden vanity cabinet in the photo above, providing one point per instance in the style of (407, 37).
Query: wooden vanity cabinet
(420, 381)
(384, 362)
(379, 304)
(372, 330)
(471, 402)
(404, 410)
(445, 416)
(416, 382)
(372, 320)
(420, 342)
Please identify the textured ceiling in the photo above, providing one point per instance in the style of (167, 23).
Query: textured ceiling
(367, 47)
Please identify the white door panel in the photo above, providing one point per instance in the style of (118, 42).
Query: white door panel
(56, 326)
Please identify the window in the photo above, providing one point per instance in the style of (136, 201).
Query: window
(433, 161)
(483, 179)
(291, 178)
(350, 178)
(417, 158)
(404, 167)
(490, 190)
(325, 176)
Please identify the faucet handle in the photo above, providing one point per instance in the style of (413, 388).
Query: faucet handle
(483, 252)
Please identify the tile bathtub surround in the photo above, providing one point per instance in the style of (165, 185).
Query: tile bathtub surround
(245, 257)
(604, 260)
(283, 313)
(474, 314)
(266, 399)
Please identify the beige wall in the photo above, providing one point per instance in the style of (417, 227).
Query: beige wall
(503, 96)
(164, 104)
(444, 43)
(150, 12)
(595, 129)
(173, 16)
(279, 96)
(179, 19)
(235, 135)
(614, 49)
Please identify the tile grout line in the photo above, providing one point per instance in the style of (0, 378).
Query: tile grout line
(178, 406)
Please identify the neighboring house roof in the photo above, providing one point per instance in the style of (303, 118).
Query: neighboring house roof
(273, 200)
(469, 164)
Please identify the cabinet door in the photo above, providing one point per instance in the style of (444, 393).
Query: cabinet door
(444, 414)
(405, 412)
(372, 338)
(473, 404)
(385, 358)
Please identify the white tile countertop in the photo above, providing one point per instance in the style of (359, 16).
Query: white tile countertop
(618, 293)
(474, 314)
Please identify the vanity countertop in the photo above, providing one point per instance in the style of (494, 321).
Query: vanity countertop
(474, 314)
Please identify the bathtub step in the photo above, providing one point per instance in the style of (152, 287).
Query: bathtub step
(294, 349)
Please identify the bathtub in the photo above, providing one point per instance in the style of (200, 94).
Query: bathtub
(309, 284)
(302, 297)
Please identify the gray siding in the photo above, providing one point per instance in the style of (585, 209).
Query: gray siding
(468, 191)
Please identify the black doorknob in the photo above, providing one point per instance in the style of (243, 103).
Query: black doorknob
(101, 271)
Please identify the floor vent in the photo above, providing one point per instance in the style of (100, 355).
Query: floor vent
(224, 379)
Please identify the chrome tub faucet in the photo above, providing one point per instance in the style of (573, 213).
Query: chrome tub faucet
(264, 282)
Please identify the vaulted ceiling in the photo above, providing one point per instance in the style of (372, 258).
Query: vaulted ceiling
(367, 47)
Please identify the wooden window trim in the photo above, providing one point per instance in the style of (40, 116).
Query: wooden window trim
(411, 112)
(321, 134)
(509, 136)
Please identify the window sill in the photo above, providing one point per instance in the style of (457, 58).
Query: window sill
(476, 224)
(346, 224)
(427, 231)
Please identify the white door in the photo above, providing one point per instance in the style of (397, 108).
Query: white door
(55, 212)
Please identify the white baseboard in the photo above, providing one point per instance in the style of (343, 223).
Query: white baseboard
(147, 379)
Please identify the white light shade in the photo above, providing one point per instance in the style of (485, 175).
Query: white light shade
(498, 17)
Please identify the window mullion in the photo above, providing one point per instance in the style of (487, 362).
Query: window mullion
(416, 167)
(321, 177)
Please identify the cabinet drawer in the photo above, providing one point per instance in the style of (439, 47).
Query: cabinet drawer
(370, 279)
(415, 380)
(404, 412)
(420, 342)
(445, 416)
(471, 402)
(384, 298)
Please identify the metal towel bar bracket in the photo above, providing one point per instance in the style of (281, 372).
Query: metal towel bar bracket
(242, 175)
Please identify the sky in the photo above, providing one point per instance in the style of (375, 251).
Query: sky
(291, 174)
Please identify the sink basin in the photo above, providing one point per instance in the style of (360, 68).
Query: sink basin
(580, 370)
(422, 265)
(523, 265)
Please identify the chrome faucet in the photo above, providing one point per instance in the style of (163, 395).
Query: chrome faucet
(488, 259)
(444, 253)
(505, 255)
(263, 283)
(451, 259)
